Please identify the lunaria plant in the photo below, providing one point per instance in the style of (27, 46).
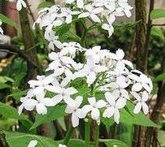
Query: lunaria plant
(92, 83)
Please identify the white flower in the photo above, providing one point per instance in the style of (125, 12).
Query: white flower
(67, 13)
(20, 4)
(40, 103)
(140, 81)
(141, 100)
(77, 113)
(90, 71)
(32, 143)
(94, 107)
(53, 39)
(108, 27)
(40, 84)
(63, 93)
(92, 13)
(113, 106)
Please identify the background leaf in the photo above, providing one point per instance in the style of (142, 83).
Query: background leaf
(157, 13)
(16, 139)
(52, 114)
(113, 142)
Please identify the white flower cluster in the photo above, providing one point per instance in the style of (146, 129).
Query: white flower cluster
(103, 12)
(103, 71)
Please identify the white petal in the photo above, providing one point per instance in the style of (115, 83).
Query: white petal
(108, 112)
(80, 113)
(69, 109)
(47, 102)
(30, 104)
(18, 5)
(41, 109)
(20, 109)
(57, 99)
(136, 87)
(145, 96)
(78, 101)
(32, 143)
(85, 14)
(69, 101)
(95, 18)
(121, 102)
(137, 108)
(145, 108)
(100, 104)
(109, 97)
(80, 3)
(75, 120)
(91, 78)
(95, 114)
(136, 95)
(70, 91)
(92, 100)
(116, 116)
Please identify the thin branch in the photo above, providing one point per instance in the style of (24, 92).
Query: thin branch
(163, 24)
(20, 53)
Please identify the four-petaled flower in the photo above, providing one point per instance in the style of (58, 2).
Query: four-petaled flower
(77, 113)
(94, 107)
(113, 106)
(141, 100)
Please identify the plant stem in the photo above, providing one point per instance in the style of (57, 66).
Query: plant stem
(87, 133)
(97, 136)
(68, 135)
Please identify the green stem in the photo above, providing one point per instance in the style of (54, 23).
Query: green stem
(87, 133)
(68, 135)
(97, 136)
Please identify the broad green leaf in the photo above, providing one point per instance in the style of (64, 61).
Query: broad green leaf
(17, 94)
(61, 30)
(157, 32)
(113, 143)
(10, 112)
(124, 133)
(52, 114)
(160, 77)
(4, 86)
(16, 139)
(157, 13)
(7, 20)
(44, 4)
(76, 143)
(4, 79)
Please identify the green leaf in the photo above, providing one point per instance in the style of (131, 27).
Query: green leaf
(10, 112)
(17, 94)
(16, 139)
(157, 32)
(157, 13)
(113, 143)
(4, 86)
(44, 4)
(160, 77)
(52, 114)
(4, 79)
(7, 20)
(76, 143)
(61, 30)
